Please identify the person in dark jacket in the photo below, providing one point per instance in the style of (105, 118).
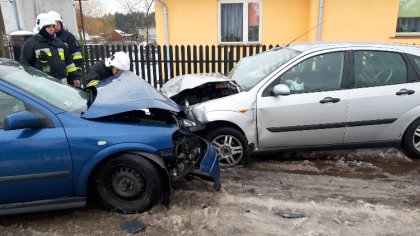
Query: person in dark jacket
(47, 53)
(68, 38)
(106, 68)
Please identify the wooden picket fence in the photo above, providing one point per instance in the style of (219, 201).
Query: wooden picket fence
(158, 64)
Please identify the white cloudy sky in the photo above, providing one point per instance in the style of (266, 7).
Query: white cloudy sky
(113, 6)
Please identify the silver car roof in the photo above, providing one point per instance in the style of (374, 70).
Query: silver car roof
(320, 46)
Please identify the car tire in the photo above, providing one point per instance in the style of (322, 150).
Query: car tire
(231, 145)
(412, 139)
(128, 183)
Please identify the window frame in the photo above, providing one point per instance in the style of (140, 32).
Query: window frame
(245, 3)
(410, 70)
(411, 15)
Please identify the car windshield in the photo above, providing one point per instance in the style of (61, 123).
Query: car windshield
(47, 88)
(251, 70)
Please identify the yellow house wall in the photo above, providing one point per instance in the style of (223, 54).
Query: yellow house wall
(359, 20)
(284, 21)
(196, 21)
(190, 22)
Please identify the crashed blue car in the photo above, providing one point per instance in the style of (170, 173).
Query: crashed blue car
(122, 141)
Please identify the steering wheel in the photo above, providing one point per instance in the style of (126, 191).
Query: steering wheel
(382, 77)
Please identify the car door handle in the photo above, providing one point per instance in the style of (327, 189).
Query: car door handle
(329, 100)
(405, 91)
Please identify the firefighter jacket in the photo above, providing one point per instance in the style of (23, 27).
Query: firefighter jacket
(50, 56)
(73, 46)
(98, 72)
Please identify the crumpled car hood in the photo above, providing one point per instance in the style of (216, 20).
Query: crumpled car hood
(188, 90)
(190, 81)
(127, 92)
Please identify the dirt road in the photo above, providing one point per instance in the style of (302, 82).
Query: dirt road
(362, 192)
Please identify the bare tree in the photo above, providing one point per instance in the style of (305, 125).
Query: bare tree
(147, 5)
(132, 6)
(94, 8)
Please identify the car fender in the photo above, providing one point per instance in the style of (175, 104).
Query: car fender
(82, 177)
(395, 131)
(399, 127)
(244, 121)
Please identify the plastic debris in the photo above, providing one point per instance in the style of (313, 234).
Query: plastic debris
(132, 226)
(252, 190)
(289, 215)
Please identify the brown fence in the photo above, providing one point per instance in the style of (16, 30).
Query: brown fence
(157, 64)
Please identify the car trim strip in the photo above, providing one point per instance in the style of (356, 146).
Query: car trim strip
(57, 174)
(370, 122)
(306, 127)
(331, 125)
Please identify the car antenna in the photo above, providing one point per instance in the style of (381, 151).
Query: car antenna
(316, 26)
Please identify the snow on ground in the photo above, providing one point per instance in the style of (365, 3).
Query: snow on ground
(358, 192)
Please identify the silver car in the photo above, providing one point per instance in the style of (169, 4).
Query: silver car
(306, 97)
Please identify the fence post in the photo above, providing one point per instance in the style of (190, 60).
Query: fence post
(171, 64)
(200, 58)
(155, 80)
(189, 58)
(176, 60)
(183, 59)
(159, 53)
(136, 59)
(165, 58)
(207, 59)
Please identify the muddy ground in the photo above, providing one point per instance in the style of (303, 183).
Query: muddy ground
(359, 192)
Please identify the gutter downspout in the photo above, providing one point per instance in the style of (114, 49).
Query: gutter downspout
(321, 12)
(165, 18)
(16, 15)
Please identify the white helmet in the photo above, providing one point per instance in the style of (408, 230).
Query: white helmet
(119, 60)
(42, 20)
(55, 16)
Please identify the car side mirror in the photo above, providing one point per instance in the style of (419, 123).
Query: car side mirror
(22, 120)
(281, 89)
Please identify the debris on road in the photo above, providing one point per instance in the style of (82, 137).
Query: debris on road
(289, 215)
(132, 226)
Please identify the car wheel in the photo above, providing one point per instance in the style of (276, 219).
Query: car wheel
(411, 140)
(231, 146)
(128, 184)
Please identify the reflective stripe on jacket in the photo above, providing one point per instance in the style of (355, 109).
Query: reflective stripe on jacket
(73, 46)
(50, 56)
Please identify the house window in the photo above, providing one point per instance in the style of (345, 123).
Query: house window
(408, 18)
(239, 21)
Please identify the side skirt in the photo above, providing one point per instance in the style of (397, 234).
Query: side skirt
(42, 205)
(378, 144)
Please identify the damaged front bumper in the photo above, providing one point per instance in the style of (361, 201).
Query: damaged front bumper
(193, 156)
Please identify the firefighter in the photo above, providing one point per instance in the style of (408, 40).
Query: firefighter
(113, 66)
(68, 38)
(49, 54)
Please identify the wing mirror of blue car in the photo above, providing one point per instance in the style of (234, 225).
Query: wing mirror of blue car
(281, 89)
(22, 120)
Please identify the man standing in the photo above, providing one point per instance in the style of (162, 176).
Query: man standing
(68, 38)
(49, 54)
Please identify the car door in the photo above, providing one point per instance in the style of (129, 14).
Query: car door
(315, 111)
(385, 87)
(35, 164)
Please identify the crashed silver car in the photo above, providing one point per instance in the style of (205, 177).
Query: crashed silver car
(307, 97)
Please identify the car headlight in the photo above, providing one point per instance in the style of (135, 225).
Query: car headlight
(199, 113)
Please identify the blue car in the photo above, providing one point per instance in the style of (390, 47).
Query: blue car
(123, 140)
